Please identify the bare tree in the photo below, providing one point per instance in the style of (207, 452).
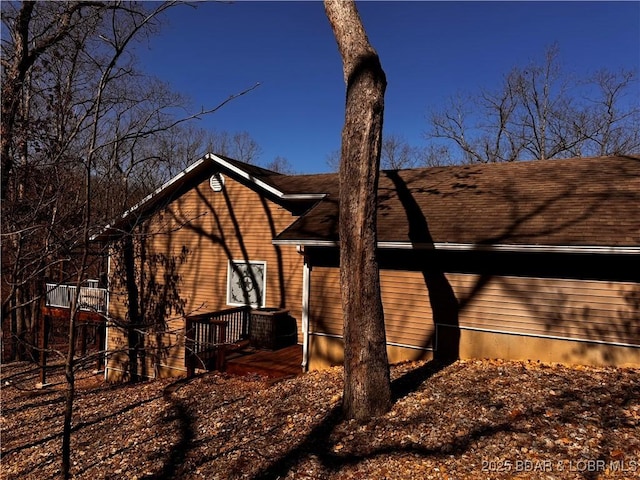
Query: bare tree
(240, 145)
(436, 156)
(120, 29)
(56, 118)
(281, 165)
(178, 147)
(78, 124)
(612, 127)
(397, 153)
(367, 389)
(540, 112)
(30, 36)
(32, 201)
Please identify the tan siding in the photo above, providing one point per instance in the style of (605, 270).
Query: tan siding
(580, 309)
(328, 351)
(325, 309)
(213, 228)
(407, 310)
(510, 307)
(480, 344)
(408, 315)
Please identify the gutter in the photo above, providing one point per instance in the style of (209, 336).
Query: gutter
(303, 196)
(594, 249)
(106, 323)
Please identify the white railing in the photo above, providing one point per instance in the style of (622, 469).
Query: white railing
(90, 299)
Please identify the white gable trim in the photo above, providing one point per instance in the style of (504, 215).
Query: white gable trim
(149, 197)
(261, 184)
(265, 187)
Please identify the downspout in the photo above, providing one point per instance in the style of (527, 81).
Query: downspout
(306, 293)
(106, 322)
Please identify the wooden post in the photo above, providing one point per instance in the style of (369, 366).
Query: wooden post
(221, 349)
(246, 321)
(189, 344)
(82, 333)
(43, 345)
(101, 330)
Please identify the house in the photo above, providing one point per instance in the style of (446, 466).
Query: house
(530, 260)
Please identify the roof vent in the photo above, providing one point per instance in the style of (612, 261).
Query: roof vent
(216, 182)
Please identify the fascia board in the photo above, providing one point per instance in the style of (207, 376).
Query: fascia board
(261, 184)
(476, 247)
(225, 165)
(151, 196)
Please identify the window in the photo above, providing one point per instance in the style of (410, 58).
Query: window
(246, 283)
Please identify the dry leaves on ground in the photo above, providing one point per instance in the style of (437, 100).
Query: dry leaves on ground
(468, 420)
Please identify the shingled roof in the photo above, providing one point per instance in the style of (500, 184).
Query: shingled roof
(283, 188)
(578, 202)
(585, 203)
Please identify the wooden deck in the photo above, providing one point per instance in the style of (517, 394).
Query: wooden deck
(284, 362)
(82, 316)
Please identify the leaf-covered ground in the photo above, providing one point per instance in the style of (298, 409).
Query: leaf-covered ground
(468, 420)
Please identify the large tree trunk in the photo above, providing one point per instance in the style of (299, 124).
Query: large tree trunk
(11, 89)
(367, 390)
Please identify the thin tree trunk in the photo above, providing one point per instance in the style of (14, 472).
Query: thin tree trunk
(69, 392)
(69, 371)
(367, 390)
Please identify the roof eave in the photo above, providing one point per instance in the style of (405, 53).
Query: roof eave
(260, 184)
(584, 249)
(165, 186)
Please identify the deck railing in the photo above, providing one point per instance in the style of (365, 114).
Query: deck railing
(208, 336)
(91, 298)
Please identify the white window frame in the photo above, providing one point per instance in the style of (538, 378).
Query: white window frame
(230, 274)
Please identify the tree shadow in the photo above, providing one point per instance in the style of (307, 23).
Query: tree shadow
(179, 451)
(594, 327)
(446, 307)
(149, 272)
(151, 282)
(282, 303)
(217, 235)
(550, 210)
(442, 298)
(218, 222)
(567, 403)
(316, 442)
(79, 426)
(412, 380)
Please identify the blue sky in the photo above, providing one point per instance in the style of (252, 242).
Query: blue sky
(429, 51)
